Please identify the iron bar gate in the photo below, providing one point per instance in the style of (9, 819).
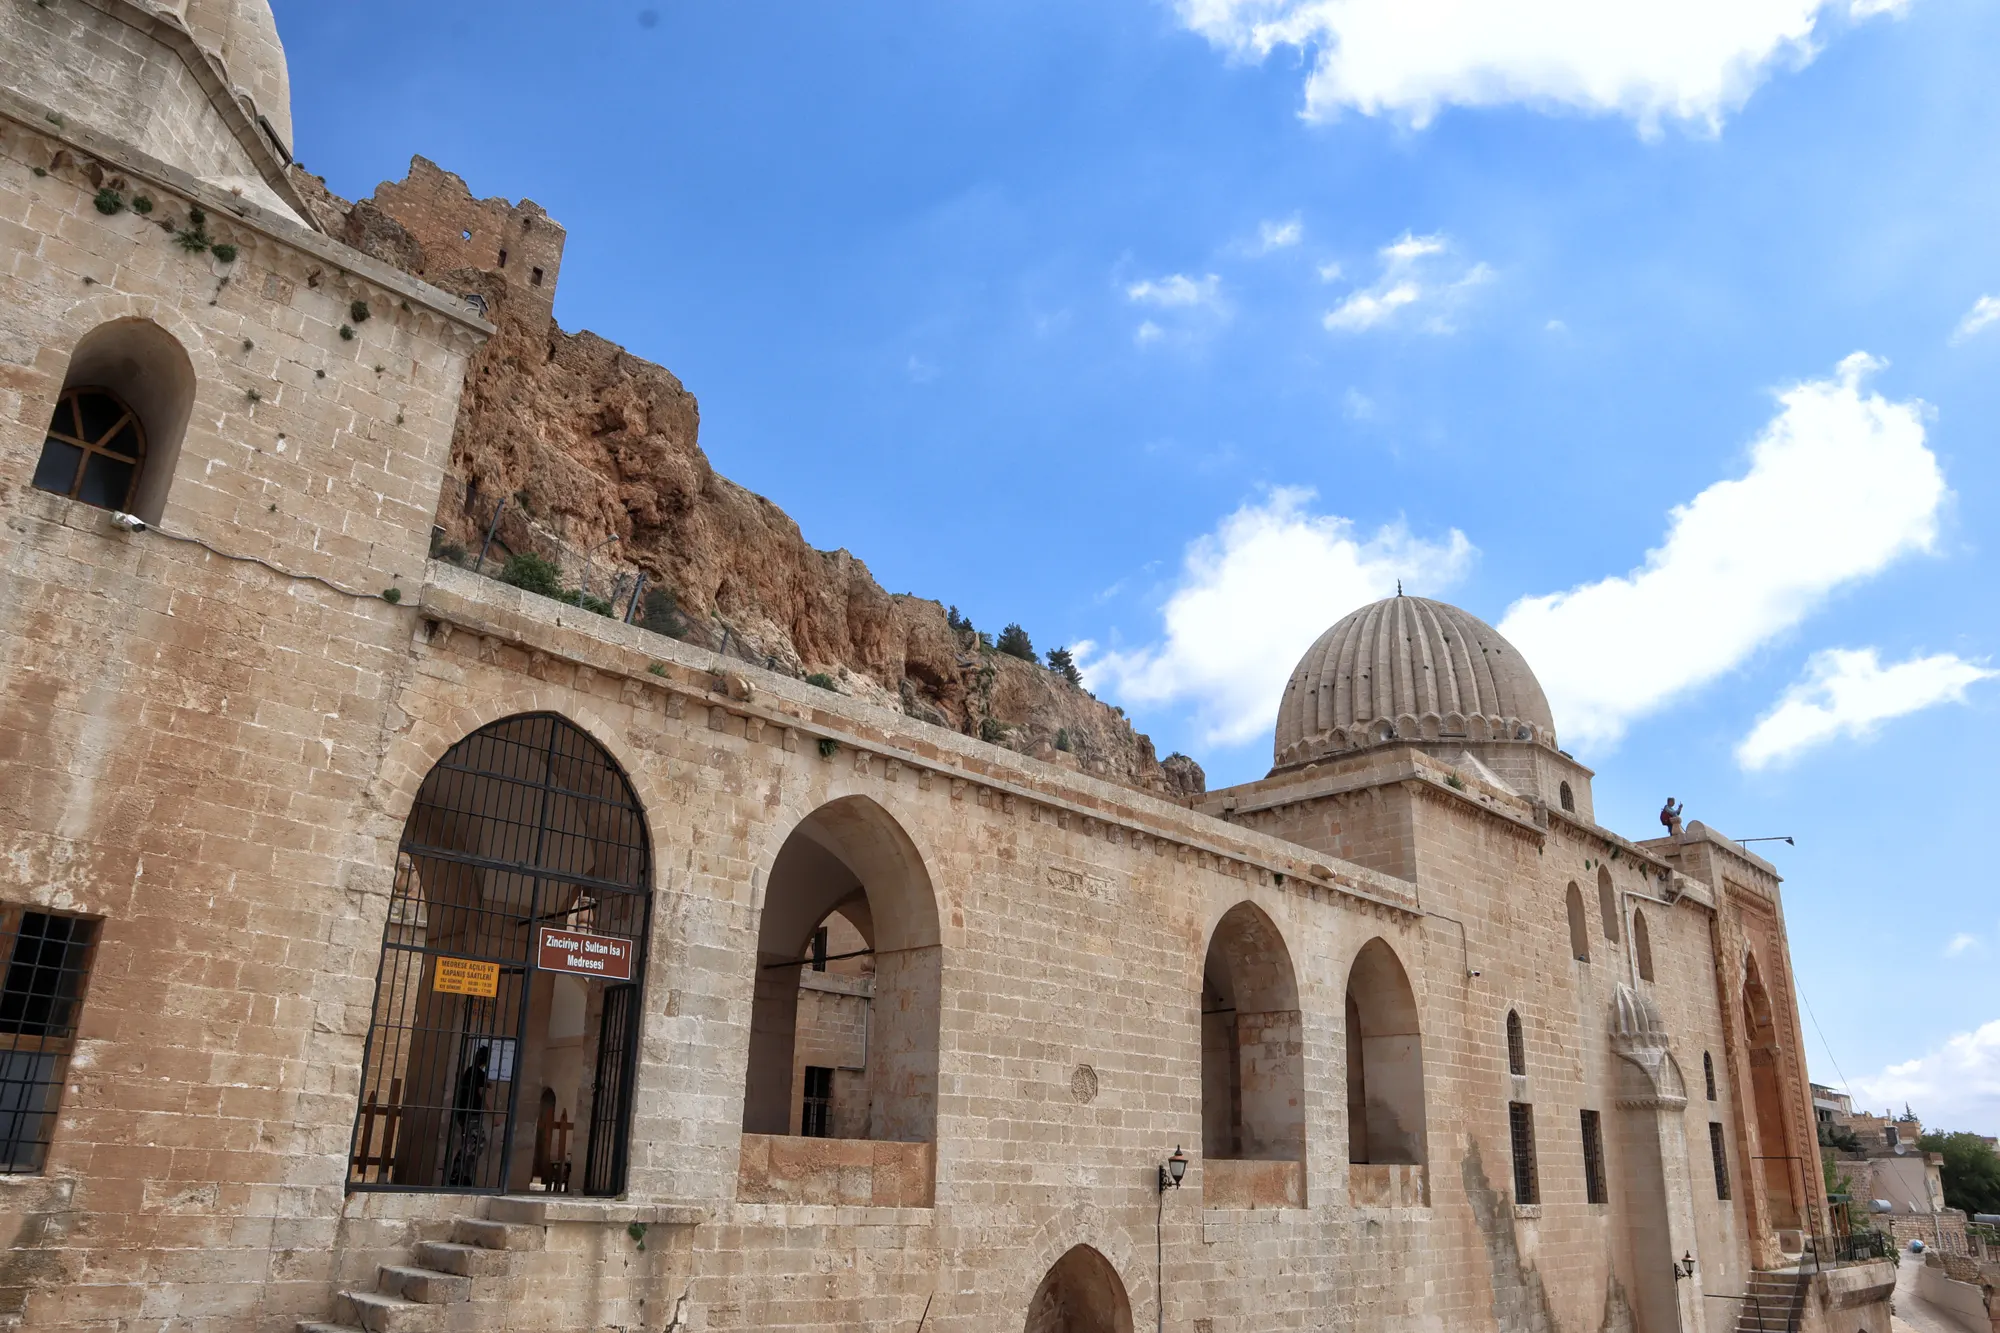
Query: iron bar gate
(524, 828)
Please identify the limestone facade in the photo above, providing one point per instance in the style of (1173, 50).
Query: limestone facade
(1438, 1052)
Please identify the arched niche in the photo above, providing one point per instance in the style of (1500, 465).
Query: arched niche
(142, 366)
(1642, 945)
(1385, 1061)
(1081, 1293)
(1252, 1043)
(1782, 1174)
(1607, 903)
(851, 860)
(1579, 929)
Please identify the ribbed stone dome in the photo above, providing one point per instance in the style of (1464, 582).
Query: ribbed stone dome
(1408, 668)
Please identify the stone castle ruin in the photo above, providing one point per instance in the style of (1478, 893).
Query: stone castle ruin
(391, 948)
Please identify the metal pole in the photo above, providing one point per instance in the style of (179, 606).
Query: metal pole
(632, 607)
(491, 528)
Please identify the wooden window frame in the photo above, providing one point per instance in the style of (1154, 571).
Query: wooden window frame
(69, 413)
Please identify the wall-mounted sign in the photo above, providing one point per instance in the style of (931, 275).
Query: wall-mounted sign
(585, 955)
(465, 976)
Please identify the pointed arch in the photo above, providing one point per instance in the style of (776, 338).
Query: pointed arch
(849, 859)
(1252, 1049)
(1642, 945)
(1579, 931)
(1782, 1175)
(1081, 1293)
(1607, 903)
(1385, 1061)
(1517, 1047)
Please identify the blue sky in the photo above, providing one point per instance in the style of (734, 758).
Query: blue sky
(1177, 331)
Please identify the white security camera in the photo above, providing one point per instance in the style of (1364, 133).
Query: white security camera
(129, 522)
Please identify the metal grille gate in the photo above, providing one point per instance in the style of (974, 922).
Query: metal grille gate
(610, 1108)
(525, 823)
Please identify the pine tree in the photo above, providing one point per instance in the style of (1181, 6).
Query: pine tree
(1014, 642)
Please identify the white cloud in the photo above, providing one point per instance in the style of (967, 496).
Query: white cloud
(1147, 332)
(1984, 311)
(1252, 597)
(1694, 61)
(1358, 406)
(1848, 692)
(1329, 271)
(1956, 1086)
(1177, 291)
(1279, 235)
(1840, 485)
(1414, 270)
(1961, 943)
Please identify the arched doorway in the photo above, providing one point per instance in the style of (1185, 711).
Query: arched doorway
(506, 1018)
(1779, 1165)
(1252, 1044)
(1385, 1061)
(844, 1021)
(1080, 1294)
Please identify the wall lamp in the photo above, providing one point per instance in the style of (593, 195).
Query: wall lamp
(1684, 1266)
(1172, 1170)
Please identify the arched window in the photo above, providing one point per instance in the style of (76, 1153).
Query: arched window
(1252, 1044)
(1385, 1061)
(1567, 797)
(1642, 945)
(1517, 1049)
(115, 433)
(1708, 1074)
(1607, 903)
(1579, 930)
(850, 869)
(512, 961)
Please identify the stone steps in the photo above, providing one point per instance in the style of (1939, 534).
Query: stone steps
(417, 1297)
(1778, 1302)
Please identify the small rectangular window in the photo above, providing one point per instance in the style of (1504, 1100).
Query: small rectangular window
(1521, 1124)
(819, 949)
(503, 259)
(48, 966)
(537, 276)
(1593, 1158)
(816, 1120)
(1721, 1156)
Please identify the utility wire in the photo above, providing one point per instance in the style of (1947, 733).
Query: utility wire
(259, 560)
(1827, 1044)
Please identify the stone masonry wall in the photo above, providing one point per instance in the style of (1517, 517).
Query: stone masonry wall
(185, 738)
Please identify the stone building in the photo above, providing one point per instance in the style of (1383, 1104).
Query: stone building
(390, 948)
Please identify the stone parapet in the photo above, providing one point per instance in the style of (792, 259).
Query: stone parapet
(1232, 1183)
(779, 1168)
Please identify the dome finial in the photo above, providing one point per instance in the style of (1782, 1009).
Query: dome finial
(1399, 587)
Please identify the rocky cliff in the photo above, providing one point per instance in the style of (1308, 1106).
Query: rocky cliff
(589, 457)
